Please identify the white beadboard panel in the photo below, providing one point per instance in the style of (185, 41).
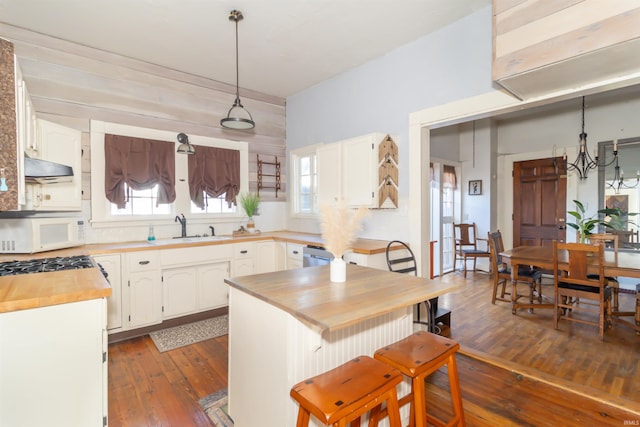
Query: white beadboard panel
(312, 354)
(271, 350)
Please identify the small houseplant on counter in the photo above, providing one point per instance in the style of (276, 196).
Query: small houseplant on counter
(339, 225)
(250, 203)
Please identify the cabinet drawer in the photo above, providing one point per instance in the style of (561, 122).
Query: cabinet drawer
(243, 250)
(294, 250)
(143, 261)
(195, 255)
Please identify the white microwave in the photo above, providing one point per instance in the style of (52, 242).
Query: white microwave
(29, 235)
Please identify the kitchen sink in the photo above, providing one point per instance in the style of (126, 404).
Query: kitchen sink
(188, 239)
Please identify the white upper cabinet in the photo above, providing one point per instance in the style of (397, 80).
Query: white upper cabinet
(329, 166)
(357, 171)
(58, 144)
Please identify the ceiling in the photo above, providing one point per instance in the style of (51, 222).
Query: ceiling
(285, 46)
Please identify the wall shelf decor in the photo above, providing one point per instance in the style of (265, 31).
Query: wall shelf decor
(388, 173)
(274, 177)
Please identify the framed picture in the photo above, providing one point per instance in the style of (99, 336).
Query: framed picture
(475, 187)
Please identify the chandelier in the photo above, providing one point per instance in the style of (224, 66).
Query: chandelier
(584, 162)
(238, 117)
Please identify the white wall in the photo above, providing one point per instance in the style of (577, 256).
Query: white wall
(450, 64)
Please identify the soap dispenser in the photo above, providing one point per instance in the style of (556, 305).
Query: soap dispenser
(151, 235)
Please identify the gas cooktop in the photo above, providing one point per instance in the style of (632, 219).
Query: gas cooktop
(42, 265)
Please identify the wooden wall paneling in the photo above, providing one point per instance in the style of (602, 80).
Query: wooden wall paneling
(519, 13)
(542, 47)
(8, 131)
(48, 49)
(72, 84)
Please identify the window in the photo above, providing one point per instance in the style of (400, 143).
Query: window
(142, 207)
(304, 192)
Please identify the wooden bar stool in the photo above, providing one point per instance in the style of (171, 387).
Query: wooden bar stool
(343, 394)
(418, 356)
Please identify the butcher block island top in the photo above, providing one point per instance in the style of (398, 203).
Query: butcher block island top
(25, 291)
(310, 296)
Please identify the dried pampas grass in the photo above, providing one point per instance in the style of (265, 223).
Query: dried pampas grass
(339, 225)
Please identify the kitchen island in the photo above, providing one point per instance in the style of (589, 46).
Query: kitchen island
(290, 325)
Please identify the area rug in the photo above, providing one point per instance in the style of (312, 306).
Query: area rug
(215, 406)
(180, 336)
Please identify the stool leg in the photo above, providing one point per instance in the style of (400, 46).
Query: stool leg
(418, 405)
(454, 385)
(393, 409)
(303, 418)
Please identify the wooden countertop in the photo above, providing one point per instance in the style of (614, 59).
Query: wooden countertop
(25, 291)
(41, 289)
(361, 246)
(310, 296)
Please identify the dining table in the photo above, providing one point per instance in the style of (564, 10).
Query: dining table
(623, 263)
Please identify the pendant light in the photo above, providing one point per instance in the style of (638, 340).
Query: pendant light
(584, 162)
(185, 147)
(238, 117)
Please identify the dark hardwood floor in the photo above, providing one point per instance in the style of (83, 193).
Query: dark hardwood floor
(514, 370)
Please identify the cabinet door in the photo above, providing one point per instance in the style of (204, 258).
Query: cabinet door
(180, 292)
(53, 356)
(329, 173)
(359, 171)
(265, 257)
(111, 264)
(214, 292)
(244, 267)
(59, 144)
(145, 298)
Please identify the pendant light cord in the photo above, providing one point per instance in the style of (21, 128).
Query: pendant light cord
(238, 67)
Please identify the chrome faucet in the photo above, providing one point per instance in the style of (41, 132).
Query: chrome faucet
(213, 230)
(183, 223)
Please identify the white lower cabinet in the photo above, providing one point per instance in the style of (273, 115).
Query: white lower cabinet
(270, 256)
(214, 292)
(378, 261)
(180, 292)
(294, 256)
(188, 290)
(144, 284)
(112, 265)
(243, 259)
(53, 366)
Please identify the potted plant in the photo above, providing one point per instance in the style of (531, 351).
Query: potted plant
(250, 203)
(584, 224)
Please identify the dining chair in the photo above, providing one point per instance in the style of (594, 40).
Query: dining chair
(611, 241)
(502, 272)
(404, 261)
(466, 245)
(570, 283)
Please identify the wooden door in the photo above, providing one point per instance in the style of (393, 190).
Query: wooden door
(539, 198)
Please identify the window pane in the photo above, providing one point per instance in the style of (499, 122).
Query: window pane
(213, 205)
(142, 202)
(304, 166)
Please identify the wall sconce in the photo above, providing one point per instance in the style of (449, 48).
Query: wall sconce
(185, 147)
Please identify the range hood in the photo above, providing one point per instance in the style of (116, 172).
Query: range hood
(45, 172)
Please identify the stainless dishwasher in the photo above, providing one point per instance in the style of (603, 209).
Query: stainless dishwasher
(315, 255)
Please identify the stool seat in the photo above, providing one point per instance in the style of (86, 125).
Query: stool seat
(343, 394)
(418, 356)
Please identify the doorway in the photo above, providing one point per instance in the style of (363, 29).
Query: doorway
(445, 208)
